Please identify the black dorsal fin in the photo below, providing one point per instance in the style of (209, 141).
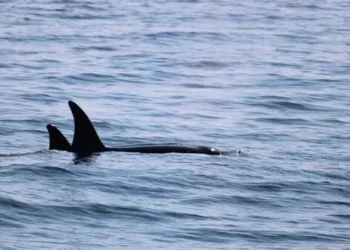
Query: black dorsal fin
(57, 139)
(85, 138)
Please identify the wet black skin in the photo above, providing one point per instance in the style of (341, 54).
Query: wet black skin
(86, 140)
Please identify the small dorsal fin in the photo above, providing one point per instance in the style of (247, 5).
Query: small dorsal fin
(85, 138)
(57, 139)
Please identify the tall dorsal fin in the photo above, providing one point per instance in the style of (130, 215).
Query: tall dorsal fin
(85, 138)
(57, 139)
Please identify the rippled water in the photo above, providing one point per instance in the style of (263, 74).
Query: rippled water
(268, 78)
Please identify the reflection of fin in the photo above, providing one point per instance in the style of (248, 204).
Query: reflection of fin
(85, 139)
(57, 139)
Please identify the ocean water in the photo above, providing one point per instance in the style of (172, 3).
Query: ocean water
(268, 82)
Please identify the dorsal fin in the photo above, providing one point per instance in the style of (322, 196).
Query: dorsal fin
(85, 138)
(57, 139)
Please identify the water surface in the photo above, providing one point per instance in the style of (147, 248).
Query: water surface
(268, 78)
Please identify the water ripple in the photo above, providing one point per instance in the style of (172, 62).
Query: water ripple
(264, 81)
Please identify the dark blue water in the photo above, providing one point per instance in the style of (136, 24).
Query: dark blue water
(268, 78)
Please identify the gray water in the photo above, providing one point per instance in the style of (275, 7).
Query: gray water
(265, 81)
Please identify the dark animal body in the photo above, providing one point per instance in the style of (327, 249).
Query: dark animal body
(87, 141)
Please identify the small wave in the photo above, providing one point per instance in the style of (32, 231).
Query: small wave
(266, 187)
(233, 199)
(208, 65)
(187, 34)
(48, 171)
(336, 203)
(5, 66)
(179, 215)
(8, 223)
(283, 105)
(98, 48)
(291, 105)
(172, 182)
(22, 153)
(201, 86)
(210, 235)
(34, 170)
(157, 192)
(89, 77)
(84, 16)
(13, 204)
(337, 176)
(285, 121)
(334, 121)
(103, 211)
